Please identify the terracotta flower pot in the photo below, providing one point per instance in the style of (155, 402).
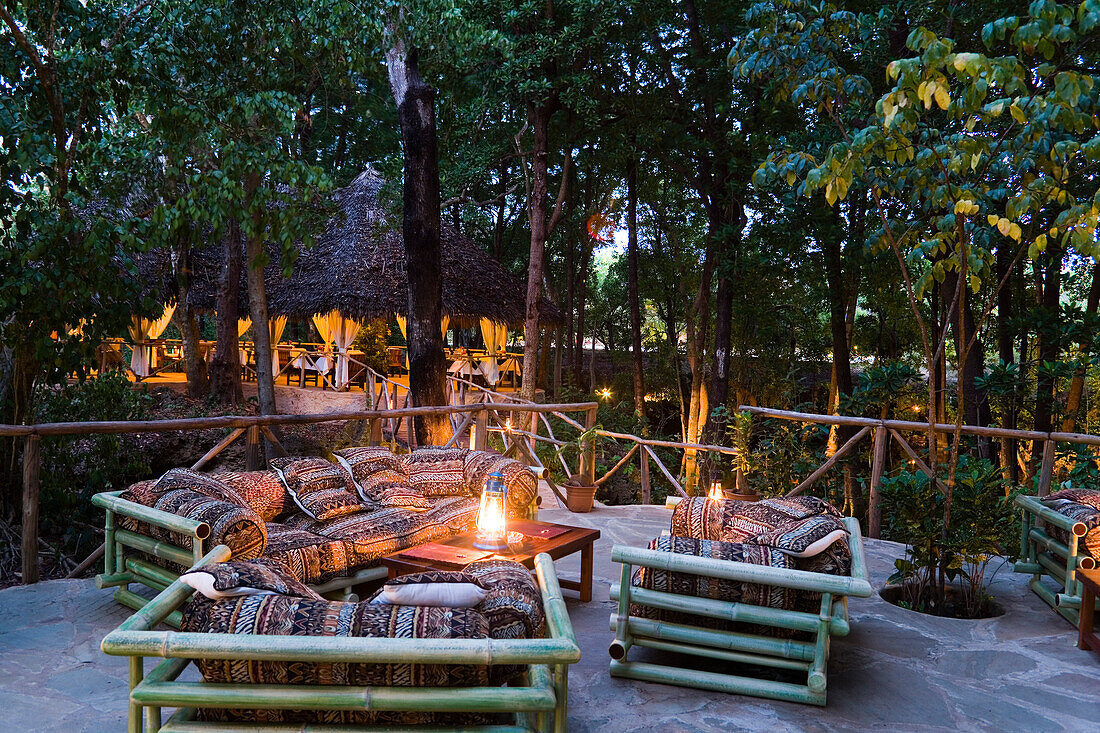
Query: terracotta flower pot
(579, 498)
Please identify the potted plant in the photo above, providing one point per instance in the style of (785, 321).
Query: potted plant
(730, 471)
(579, 491)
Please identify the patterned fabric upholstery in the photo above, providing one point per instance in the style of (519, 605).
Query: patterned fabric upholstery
(437, 472)
(233, 525)
(730, 520)
(319, 488)
(804, 537)
(391, 489)
(522, 486)
(282, 615)
(201, 483)
(261, 574)
(365, 460)
(312, 558)
(369, 536)
(514, 604)
(1080, 505)
(261, 490)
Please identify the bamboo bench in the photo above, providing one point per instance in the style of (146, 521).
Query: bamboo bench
(122, 549)
(809, 657)
(539, 702)
(1042, 555)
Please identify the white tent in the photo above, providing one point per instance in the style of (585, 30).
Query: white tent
(144, 360)
(496, 338)
(333, 328)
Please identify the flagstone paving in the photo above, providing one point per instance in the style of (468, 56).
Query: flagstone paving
(897, 671)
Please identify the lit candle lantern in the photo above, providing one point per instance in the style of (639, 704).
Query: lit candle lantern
(492, 534)
(716, 493)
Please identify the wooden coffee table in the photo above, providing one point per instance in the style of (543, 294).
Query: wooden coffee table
(558, 540)
(1090, 586)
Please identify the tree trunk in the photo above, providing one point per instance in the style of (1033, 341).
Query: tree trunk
(198, 384)
(225, 367)
(539, 117)
(498, 227)
(1049, 348)
(1077, 385)
(582, 293)
(257, 302)
(420, 228)
(632, 278)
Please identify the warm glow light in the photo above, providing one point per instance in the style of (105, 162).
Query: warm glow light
(492, 532)
(508, 425)
(715, 493)
(606, 393)
(916, 408)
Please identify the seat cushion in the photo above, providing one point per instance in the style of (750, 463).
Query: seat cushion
(312, 558)
(365, 460)
(238, 578)
(281, 616)
(391, 489)
(261, 490)
(233, 525)
(368, 536)
(200, 483)
(1079, 505)
(513, 604)
(729, 520)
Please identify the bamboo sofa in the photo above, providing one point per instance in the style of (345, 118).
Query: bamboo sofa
(1059, 534)
(724, 585)
(343, 679)
(368, 504)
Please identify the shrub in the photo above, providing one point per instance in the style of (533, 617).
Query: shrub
(982, 526)
(74, 467)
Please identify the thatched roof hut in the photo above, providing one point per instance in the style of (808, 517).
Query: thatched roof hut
(357, 267)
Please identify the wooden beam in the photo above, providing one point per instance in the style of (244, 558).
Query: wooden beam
(274, 440)
(917, 460)
(813, 477)
(629, 454)
(675, 484)
(222, 445)
(31, 490)
(878, 464)
(1046, 472)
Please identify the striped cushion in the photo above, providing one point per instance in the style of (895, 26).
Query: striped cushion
(312, 558)
(319, 488)
(202, 483)
(391, 489)
(730, 520)
(237, 527)
(437, 471)
(365, 460)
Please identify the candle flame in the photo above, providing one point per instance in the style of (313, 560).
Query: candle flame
(715, 493)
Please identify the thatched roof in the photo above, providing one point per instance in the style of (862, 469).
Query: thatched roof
(357, 267)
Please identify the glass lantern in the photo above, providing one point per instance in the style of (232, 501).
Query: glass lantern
(492, 534)
(716, 493)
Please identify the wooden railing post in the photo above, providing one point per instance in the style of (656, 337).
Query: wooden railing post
(878, 463)
(1046, 472)
(481, 430)
(643, 457)
(31, 486)
(375, 431)
(586, 467)
(253, 453)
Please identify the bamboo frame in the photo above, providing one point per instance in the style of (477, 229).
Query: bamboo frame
(807, 657)
(1042, 555)
(539, 702)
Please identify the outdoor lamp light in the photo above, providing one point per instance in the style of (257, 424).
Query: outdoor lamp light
(716, 493)
(491, 531)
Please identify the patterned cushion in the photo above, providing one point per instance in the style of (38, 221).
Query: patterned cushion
(806, 537)
(437, 471)
(312, 558)
(281, 615)
(391, 489)
(514, 604)
(261, 490)
(368, 536)
(201, 483)
(522, 486)
(233, 525)
(1078, 512)
(319, 488)
(729, 520)
(365, 460)
(1090, 497)
(262, 574)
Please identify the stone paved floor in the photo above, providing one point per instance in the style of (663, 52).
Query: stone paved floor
(897, 671)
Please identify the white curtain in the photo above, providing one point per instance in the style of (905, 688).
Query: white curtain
(496, 338)
(402, 323)
(144, 359)
(243, 324)
(335, 329)
(275, 327)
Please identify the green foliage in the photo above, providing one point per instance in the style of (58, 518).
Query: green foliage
(74, 467)
(371, 340)
(982, 526)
